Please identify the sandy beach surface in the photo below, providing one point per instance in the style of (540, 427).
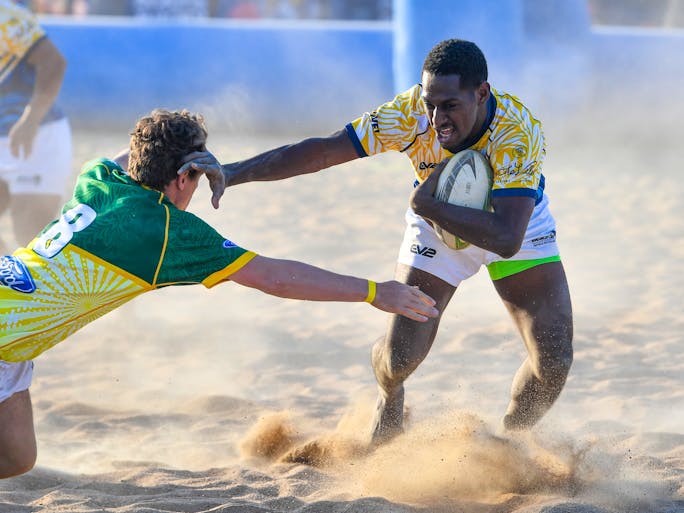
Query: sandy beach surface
(228, 400)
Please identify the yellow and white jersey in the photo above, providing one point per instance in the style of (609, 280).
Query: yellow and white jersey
(511, 139)
(19, 31)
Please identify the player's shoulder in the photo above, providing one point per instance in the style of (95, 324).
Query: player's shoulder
(509, 105)
(100, 168)
(407, 102)
(405, 113)
(513, 117)
(16, 20)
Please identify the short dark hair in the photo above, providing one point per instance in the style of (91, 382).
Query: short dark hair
(160, 141)
(457, 57)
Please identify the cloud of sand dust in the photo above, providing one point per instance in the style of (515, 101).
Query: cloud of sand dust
(458, 459)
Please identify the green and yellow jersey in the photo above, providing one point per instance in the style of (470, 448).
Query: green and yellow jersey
(114, 240)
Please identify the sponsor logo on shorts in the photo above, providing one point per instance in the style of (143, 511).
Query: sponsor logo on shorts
(15, 275)
(544, 239)
(423, 250)
(427, 165)
(229, 244)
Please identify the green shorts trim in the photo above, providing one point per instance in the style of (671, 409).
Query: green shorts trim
(504, 268)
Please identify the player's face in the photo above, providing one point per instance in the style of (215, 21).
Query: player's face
(455, 113)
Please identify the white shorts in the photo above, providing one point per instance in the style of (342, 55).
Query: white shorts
(14, 377)
(422, 249)
(47, 169)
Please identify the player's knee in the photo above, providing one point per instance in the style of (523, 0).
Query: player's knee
(400, 369)
(555, 354)
(553, 367)
(18, 464)
(391, 370)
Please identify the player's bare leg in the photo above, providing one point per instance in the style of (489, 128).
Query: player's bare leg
(4, 205)
(404, 346)
(31, 212)
(538, 299)
(17, 437)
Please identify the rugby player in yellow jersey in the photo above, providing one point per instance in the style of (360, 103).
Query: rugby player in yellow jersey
(453, 109)
(123, 234)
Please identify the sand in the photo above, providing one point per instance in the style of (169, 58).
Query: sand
(228, 400)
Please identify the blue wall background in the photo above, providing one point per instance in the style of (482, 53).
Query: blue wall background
(244, 76)
(306, 77)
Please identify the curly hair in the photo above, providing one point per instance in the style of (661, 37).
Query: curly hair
(160, 141)
(457, 57)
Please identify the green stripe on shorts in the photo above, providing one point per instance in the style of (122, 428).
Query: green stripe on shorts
(504, 268)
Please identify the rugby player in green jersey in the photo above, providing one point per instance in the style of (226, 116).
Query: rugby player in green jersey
(125, 233)
(454, 108)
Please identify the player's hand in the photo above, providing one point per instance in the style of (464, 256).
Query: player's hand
(399, 298)
(423, 196)
(205, 162)
(21, 137)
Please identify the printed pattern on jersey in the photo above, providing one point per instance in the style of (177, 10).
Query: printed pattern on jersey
(114, 240)
(72, 290)
(19, 31)
(513, 142)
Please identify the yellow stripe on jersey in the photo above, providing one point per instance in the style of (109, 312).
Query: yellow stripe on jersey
(224, 273)
(166, 242)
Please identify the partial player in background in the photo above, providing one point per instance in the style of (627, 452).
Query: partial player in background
(453, 109)
(35, 138)
(125, 234)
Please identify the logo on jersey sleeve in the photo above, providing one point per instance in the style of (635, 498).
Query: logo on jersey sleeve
(229, 244)
(15, 275)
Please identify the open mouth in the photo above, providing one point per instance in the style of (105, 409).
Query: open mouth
(444, 134)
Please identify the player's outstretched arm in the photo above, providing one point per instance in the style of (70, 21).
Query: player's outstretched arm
(297, 280)
(307, 156)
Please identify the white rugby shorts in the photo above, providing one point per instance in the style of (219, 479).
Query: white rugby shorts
(47, 169)
(14, 377)
(423, 249)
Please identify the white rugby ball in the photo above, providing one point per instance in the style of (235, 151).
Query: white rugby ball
(466, 180)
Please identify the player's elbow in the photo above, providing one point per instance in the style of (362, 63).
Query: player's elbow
(508, 247)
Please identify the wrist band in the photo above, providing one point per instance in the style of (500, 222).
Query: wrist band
(371, 292)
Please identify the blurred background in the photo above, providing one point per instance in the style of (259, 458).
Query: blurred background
(304, 66)
(645, 13)
(604, 76)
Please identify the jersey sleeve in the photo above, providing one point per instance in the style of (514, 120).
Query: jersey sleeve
(517, 156)
(196, 253)
(19, 31)
(392, 126)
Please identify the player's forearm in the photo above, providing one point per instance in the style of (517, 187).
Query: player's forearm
(307, 156)
(297, 280)
(481, 228)
(48, 81)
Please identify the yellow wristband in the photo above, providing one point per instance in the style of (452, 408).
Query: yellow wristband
(371, 292)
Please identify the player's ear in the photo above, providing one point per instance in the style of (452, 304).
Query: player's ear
(483, 92)
(182, 180)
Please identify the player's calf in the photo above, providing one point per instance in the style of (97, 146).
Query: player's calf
(17, 439)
